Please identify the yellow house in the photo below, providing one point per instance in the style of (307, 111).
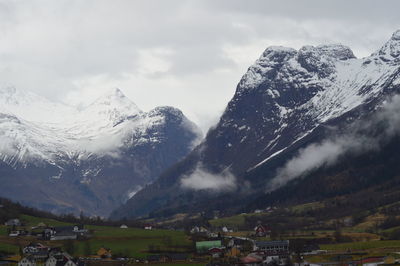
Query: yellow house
(389, 260)
(104, 252)
(233, 252)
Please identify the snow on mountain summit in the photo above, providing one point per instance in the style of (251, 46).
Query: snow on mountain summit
(113, 104)
(88, 159)
(391, 49)
(307, 87)
(36, 128)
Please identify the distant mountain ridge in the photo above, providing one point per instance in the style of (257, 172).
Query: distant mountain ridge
(62, 159)
(283, 103)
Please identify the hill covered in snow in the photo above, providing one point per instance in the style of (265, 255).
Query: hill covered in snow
(60, 158)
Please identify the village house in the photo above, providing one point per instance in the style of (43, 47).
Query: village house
(203, 247)
(213, 235)
(276, 252)
(233, 252)
(14, 233)
(198, 229)
(51, 261)
(13, 222)
(65, 232)
(63, 259)
(310, 249)
(63, 235)
(36, 250)
(262, 231)
(27, 261)
(216, 252)
(226, 230)
(104, 253)
(148, 227)
(237, 242)
(272, 247)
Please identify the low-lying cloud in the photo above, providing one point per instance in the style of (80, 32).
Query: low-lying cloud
(202, 179)
(362, 136)
(103, 145)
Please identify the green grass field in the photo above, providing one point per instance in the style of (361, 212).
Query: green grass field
(133, 242)
(306, 207)
(363, 245)
(3, 230)
(233, 221)
(8, 248)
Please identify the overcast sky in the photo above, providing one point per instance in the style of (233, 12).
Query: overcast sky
(188, 54)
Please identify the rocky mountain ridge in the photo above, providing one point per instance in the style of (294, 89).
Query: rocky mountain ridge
(283, 102)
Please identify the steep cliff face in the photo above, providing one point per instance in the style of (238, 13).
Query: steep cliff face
(283, 101)
(62, 159)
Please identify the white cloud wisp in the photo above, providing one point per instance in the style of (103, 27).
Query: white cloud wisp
(201, 179)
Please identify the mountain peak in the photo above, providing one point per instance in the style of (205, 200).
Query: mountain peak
(338, 51)
(277, 53)
(396, 35)
(112, 107)
(114, 97)
(113, 93)
(391, 49)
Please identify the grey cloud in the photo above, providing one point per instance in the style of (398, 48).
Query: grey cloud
(53, 47)
(340, 9)
(202, 179)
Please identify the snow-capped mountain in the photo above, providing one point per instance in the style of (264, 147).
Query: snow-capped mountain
(102, 152)
(284, 98)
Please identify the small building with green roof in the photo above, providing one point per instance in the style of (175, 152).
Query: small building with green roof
(204, 246)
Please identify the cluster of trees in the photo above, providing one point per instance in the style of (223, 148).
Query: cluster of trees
(11, 210)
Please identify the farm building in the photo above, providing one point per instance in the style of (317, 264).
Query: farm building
(13, 222)
(204, 246)
(272, 247)
(104, 252)
(262, 230)
(27, 262)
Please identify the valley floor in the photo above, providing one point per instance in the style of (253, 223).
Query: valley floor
(360, 238)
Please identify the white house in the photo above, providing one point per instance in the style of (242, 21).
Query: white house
(13, 222)
(70, 263)
(27, 262)
(148, 227)
(59, 259)
(51, 261)
(14, 233)
(124, 226)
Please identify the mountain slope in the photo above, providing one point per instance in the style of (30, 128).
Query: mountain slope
(282, 104)
(58, 158)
